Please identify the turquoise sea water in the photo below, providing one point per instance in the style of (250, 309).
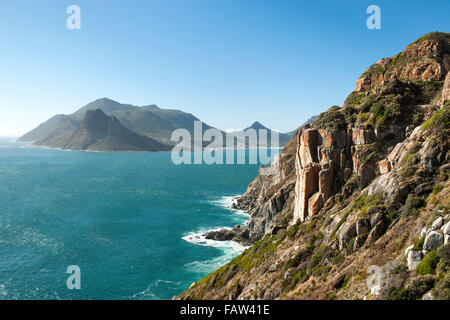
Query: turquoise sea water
(132, 222)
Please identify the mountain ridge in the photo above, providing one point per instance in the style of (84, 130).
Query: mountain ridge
(149, 120)
(100, 132)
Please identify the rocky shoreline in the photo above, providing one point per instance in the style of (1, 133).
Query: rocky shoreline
(262, 203)
(239, 233)
(365, 186)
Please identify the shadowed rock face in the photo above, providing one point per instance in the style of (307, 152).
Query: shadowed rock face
(149, 120)
(100, 132)
(446, 89)
(326, 159)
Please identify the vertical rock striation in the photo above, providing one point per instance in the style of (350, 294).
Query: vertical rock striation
(326, 159)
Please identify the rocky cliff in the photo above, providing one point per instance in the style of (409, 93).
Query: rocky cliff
(363, 188)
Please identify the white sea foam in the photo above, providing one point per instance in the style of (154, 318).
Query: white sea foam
(148, 294)
(230, 249)
(227, 202)
(198, 238)
(3, 291)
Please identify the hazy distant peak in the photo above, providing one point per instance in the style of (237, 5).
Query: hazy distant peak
(257, 126)
(150, 107)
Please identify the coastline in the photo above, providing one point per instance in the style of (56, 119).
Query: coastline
(230, 248)
(30, 144)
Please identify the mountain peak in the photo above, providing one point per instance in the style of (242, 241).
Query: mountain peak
(101, 132)
(105, 99)
(257, 126)
(426, 59)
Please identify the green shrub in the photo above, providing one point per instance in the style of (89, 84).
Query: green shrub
(419, 244)
(438, 188)
(440, 119)
(400, 294)
(413, 203)
(400, 269)
(428, 264)
(333, 118)
(374, 69)
(346, 281)
(349, 112)
(444, 255)
(323, 270)
(330, 296)
(298, 258)
(297, 277)
(441, 290)
(418, 287)
(338, 259)
(432, 36)
(396, 61)
(393, 215)
(387, 110)
(292, 231)
(367, 102)
(354, 98)
(421, 285)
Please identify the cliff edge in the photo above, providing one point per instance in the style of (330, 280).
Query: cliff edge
(362, 189)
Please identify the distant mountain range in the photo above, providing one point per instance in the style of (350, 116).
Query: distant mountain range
(107, 125)
(241, 135)
(100, 132)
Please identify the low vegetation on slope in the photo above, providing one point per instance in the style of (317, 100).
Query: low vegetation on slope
(369, 216)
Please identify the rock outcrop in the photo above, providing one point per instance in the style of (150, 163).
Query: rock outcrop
(266, 198)
(426, 59)
(433, 240)
(446, 90)
(326, 159)
(364, 187)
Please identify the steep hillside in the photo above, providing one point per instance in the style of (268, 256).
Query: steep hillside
(100, 132)
(362, 189)
(58, 122)
(147, 120)
(150, 121)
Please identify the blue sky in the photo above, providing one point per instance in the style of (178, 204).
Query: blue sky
(229, 62)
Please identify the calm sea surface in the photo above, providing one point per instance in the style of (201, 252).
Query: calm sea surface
(132, 222)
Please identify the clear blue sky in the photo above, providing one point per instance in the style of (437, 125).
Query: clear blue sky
(229, 62)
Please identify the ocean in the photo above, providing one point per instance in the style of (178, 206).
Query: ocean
(131, 222)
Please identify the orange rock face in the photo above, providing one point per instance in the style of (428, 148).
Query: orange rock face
(325, 183)
(384, 166)
(361, 136)
(426, 60)
(446, 89)
(326, 159)
(315, 204)
(397, 153)
(307, 184)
